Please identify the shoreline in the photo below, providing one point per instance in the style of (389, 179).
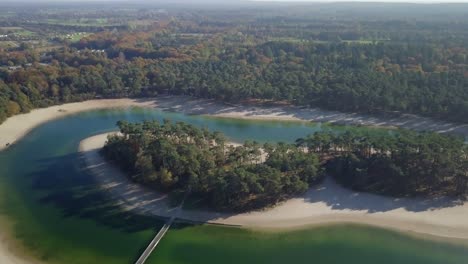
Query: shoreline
(18, 126)
(10, 251)
(327, 203)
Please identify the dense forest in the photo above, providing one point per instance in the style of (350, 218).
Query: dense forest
(357, 63)
(177, 156)
(397, 163)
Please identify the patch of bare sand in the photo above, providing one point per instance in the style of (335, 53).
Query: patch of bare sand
(10, 253)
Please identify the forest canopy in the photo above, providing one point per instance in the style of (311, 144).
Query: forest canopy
(398, 163)
(396, 62)
(178, 156)
(171, 156)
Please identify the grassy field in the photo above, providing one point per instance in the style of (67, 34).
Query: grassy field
(285, 39)
(75, 37)
(99, 22)
(6, 14)
(19, 31)
(298, 40)
(11, 28)
(8, 44)
(25, 33)
(364, 41)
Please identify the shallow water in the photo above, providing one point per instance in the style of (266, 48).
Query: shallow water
(326, 244)
(61, 217)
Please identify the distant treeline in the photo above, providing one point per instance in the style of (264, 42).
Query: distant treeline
(346, 64)
(177, 156)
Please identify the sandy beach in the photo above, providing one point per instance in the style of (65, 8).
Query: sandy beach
(329, 203)
(323, 204)
(16, 127)
(8, 250)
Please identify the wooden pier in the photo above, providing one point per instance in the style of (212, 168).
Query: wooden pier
(152, 245)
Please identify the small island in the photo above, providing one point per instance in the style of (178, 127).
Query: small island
(178, 156)
(172, 157)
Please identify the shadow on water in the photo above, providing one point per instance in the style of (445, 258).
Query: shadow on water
(63, 184)
(77, 194)
(58, 185)
(67, 183)
(69, 186)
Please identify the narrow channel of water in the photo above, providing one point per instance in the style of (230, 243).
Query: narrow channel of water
(60, 216)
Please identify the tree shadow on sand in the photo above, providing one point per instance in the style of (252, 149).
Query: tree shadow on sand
(190, 105)
(340, 198)
(329, 192)
(68, 185)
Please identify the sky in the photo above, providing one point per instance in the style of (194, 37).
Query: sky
(384, 1)
(233, 1)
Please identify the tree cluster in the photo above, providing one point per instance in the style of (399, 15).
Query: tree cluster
(178, 156)
(397, 163)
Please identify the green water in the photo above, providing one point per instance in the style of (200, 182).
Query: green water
(329, 244)
(60, 217)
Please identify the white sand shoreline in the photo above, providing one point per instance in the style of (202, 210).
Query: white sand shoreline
(18, 126)
(327, 203)
(9, 254)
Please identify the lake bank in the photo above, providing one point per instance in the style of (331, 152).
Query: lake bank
(8, 252)
(16, 127)
(323, 204)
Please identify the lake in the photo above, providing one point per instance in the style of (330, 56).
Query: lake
(55, 210)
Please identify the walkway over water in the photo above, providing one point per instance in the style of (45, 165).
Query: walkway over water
(155, 241)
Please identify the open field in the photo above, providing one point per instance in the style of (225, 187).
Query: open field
(9, 44)
(81, 22)
(11, 28)
(18, 31)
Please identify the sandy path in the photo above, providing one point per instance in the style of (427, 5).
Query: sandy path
(326, 203)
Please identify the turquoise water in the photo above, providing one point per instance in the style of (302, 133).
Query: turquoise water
(60, 216)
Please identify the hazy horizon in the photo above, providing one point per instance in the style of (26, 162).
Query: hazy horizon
(242, 1)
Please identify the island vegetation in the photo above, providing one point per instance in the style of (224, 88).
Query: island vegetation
(178, 156)
(399, 163)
